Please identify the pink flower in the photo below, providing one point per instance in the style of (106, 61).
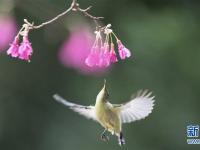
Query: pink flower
(76, 52)
(93, 58)
(8, 30)
(104, 56)
(25, 49)
(123, 51)
(14, 47)
(113, 56)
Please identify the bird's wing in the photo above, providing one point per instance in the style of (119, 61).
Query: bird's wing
(137, 108)
(87, 111)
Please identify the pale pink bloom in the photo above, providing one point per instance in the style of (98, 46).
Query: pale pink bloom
(104, 56)
(8, 30)
(76, 52)
(113, 56)
(14, 47)
(76, 48)
(123, 51)
(93, 58)
(25, 49)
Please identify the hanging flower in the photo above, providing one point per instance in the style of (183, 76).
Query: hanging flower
(123, 51)
(93, 57)
(25, 49)
(14, 48)
(104, 60)
(113, 56)
(103, 54)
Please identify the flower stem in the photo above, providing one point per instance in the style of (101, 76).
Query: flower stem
(111, 38)
(20, 30)
(115, 36)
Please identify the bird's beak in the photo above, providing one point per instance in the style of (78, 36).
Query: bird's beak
(104, 82)
(103, 94)
(104, 87)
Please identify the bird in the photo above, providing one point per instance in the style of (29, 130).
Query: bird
(112, 116)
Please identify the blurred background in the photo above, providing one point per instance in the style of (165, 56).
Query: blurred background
(163, 37)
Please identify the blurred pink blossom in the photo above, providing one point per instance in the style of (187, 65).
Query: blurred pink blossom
(75, 50)
(8, 29)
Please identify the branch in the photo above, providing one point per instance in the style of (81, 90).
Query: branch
(74, 7)
(85, 12)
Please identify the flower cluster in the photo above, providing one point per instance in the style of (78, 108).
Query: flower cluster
(21, 50)
(103, 54)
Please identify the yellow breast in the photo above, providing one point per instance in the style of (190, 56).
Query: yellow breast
(108, 117)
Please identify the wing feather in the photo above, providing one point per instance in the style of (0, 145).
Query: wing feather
(86, 111)
(139, 107)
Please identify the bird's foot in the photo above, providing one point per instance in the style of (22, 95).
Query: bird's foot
(121, 142)
(121, 139)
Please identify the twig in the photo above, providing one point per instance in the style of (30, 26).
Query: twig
(84, 11)
(74, 7)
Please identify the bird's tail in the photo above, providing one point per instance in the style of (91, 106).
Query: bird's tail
(121, 139)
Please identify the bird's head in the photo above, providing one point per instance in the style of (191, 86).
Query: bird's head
(103, 94)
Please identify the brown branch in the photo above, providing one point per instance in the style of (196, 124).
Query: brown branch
(85, 12)
(74, 7)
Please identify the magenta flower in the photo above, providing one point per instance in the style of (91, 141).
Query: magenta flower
(123, 51)
(113, 56)
(99, 55)
(104, 60)
(25, 49)
(14, 47)
(106, 53)
(100, 59)
(93, 58)
(76, 52)
(8, 30)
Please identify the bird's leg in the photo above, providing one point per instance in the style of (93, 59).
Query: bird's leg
(121, 139)
(104, 137)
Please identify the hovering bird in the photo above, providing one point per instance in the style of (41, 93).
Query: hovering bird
(111, 116)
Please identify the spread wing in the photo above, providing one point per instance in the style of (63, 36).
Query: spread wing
(137, 108)
(87, 111)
